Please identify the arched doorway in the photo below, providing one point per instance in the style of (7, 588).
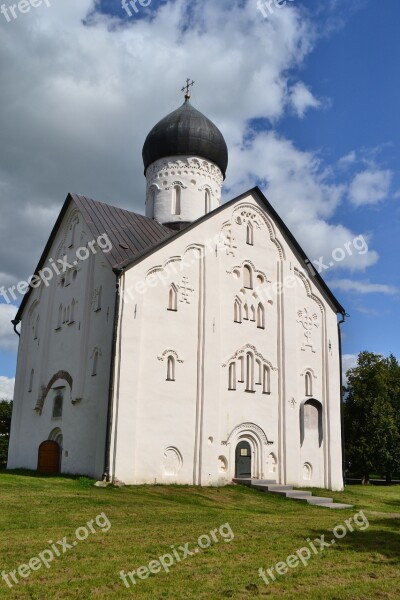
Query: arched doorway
(243, 460)
(49, 457)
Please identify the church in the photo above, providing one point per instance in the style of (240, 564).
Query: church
(192, 345)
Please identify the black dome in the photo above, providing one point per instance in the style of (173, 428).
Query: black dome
(186, 132)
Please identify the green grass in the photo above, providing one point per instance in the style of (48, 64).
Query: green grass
(147, 520)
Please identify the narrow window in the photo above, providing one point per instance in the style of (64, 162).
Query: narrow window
(65, 314)
(31, 380)
(241, 363)
(35, 337)
(176, 200)
(260, 316)
(60, 314)
(252, 313)
(259, 371)
(309, 391)
(99, 295)
(245, 312)
(171, 368)
(95, 363)
(207, 201)
(68, 314)
(266, 380)
(249, 372)
(72, 231)
(58, 406)
(232, 376)
(72, 316)
(152, 199)
(237, 311)
(247, 277)
(250, 234)
(173, 298)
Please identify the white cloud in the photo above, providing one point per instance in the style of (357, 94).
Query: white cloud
(348, 362)
(6, 388)
(8, 339)
(370, 187)
(302, 99)
(363, 287)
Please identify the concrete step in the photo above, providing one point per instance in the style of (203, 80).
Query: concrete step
(318, 500)
(293, 494)
(242, 480)
(278, 488)
(270, 481)
(336, 505)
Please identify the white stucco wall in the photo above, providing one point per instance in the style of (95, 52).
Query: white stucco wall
(69, 348)
(187, 430)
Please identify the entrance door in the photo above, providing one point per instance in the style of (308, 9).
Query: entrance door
(49, 457)
(243, 460)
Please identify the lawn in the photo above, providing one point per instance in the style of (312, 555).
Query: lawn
(136, 525)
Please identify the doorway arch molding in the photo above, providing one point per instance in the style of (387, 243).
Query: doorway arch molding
(256, 437)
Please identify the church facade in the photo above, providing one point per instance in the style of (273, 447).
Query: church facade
(191, 345)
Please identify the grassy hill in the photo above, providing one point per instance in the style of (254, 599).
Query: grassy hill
(123, 529)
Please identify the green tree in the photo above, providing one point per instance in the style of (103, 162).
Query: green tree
(371, 416)
(5, 424)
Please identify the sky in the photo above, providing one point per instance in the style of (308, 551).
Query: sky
(305, 93)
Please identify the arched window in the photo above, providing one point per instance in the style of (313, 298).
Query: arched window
(266, 380)
(95, 363)
(250, 234)
(252, 313)
(241, 369)
(65, 314)
(31, 380)
(308, 382)
(207, 201)
(260, 316)
(176, 200)
(259, 371)
(72, 316)
(36, 333)
(60, 315)
(68, 314)
(237, 311)
(232, 376)
(171, 368)
(245, 312)
(247, 277)
(249, 372)
(173, 298)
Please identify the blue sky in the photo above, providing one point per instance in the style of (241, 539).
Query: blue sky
(307, 100)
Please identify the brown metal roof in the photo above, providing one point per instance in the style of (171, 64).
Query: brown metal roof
(130, 234)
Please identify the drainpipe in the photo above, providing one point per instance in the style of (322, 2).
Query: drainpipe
(344, 315)
(106, 476)
(15, 322)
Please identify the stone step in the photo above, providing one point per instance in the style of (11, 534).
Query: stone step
(293, 494)
(336, 505)
(278, 488)
(318, 500)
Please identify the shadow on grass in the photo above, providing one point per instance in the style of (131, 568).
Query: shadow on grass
(36, 475)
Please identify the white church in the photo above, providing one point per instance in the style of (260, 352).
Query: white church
(192, 345)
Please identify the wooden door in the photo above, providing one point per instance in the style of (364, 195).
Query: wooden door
(49, 457)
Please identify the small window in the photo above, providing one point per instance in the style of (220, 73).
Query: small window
(252, 313)
(99, 298)
(36, 333)
(171, 368)
(176, 200)
(266, 380)
(31, 380)
(232, 376)
(259, 371)
(207, 201)
(241, 369)
(73, 308)
(173, 298)
(245, 312)
(237, 311)
(247, 277)
(249, 372)
(308, 381)
(58, 406)
(60, 315)
(250, 234)
(260, 316)
(95, 363)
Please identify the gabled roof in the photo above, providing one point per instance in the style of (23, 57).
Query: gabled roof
(130, 234)
(276, 219)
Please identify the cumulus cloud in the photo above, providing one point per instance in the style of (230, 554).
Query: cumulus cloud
(8, 339)
(370, 187)
(6, 388)
(348, 362)
(302, 99)
(363, 287)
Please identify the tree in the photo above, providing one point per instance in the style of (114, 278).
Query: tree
(5, 424)
(372, 416)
